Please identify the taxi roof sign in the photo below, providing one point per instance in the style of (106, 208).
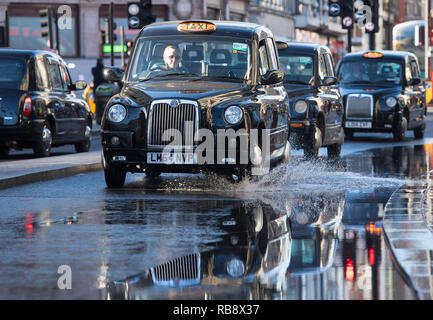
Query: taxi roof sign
(373, 55)
(196, 26)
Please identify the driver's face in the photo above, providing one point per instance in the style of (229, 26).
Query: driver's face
(171, 58)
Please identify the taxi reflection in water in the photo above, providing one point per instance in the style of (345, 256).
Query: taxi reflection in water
(382, 92)
(197, 96)
(315, 223)
(254, 252)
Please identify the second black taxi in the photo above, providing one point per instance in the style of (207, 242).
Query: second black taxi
(316, 109)
(382, 92)
(197, 95)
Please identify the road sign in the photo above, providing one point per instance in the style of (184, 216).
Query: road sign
(347, 22)
(334, 10)
(370, 26)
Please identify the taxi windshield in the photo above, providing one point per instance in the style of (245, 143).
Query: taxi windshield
(370, 71)
(298, 69)
(187, 56)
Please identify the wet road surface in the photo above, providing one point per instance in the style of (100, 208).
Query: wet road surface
(306, 231)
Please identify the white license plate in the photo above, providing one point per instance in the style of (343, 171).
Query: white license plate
(172, 158)
(358, 124)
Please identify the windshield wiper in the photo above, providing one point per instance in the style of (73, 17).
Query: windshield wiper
(359, 81)
(169, 75)
(222, 78)
(296, 82)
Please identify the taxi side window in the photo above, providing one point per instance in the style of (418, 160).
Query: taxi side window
(272, 54)
(414, 69)
(66, 79)
(329, 65)
(322, 67)
(42, 82)
(55, 77)
(263, 58)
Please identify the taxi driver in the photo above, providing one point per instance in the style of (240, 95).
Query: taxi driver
(171, 58)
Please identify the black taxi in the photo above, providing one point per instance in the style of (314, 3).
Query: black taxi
(38, 108)
(382, 92)
(316, 109)
(197, 95)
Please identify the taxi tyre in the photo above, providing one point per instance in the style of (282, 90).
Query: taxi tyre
(4, 151)
(400, 129)
(312, 146)
(84, 146)
(42, 146)
(152, 173)
(114, 176)
(334, 150)
(419, 132)
(348, 133)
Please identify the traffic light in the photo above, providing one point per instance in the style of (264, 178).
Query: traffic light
(129, 45)
(372, 26)
(334, 8)
(46, 24)
(140, 14)
(346, 13)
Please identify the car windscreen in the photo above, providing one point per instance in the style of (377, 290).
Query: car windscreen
(297, 68)
(12, 72)
(370, 71)
(203, 57)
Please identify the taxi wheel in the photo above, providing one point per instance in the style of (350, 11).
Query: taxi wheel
(312, 147)
(152, 173)
(4, 151)
(400, 129)
(287, 152)
(84, 146)
(348, 133)
(419, 132)
(114, 176)
(42, 147)
(334, 150)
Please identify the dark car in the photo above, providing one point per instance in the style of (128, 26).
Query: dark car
(37, 106)
(222, 107)
(316, 109)
(251, 255)
(382, 92)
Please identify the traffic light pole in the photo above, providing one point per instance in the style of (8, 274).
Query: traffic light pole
(56, 20)
(372, 41)
(349, 40)
(111, 31)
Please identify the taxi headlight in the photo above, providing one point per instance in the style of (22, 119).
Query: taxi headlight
(300, 106)
(233, 115)
(116, 113)
(391, 102)
(235, 268)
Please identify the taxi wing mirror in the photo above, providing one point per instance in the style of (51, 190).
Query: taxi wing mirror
(414, 81)
(272, 76)
(79, 85)
(328, 81)
(113, 74)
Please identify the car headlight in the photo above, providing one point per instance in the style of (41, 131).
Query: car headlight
(233, 115)
(300, 106)
(116, 113)
(391, 102)
(235, 268)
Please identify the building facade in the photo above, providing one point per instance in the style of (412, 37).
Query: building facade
(81, 21)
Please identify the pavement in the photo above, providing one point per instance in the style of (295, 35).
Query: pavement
(407, 221)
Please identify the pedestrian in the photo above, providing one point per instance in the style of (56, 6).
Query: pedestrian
(98, 79)
(98, 73)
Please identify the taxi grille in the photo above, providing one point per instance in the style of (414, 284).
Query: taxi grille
(359, 106)
(180, 271)
(163, 117)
